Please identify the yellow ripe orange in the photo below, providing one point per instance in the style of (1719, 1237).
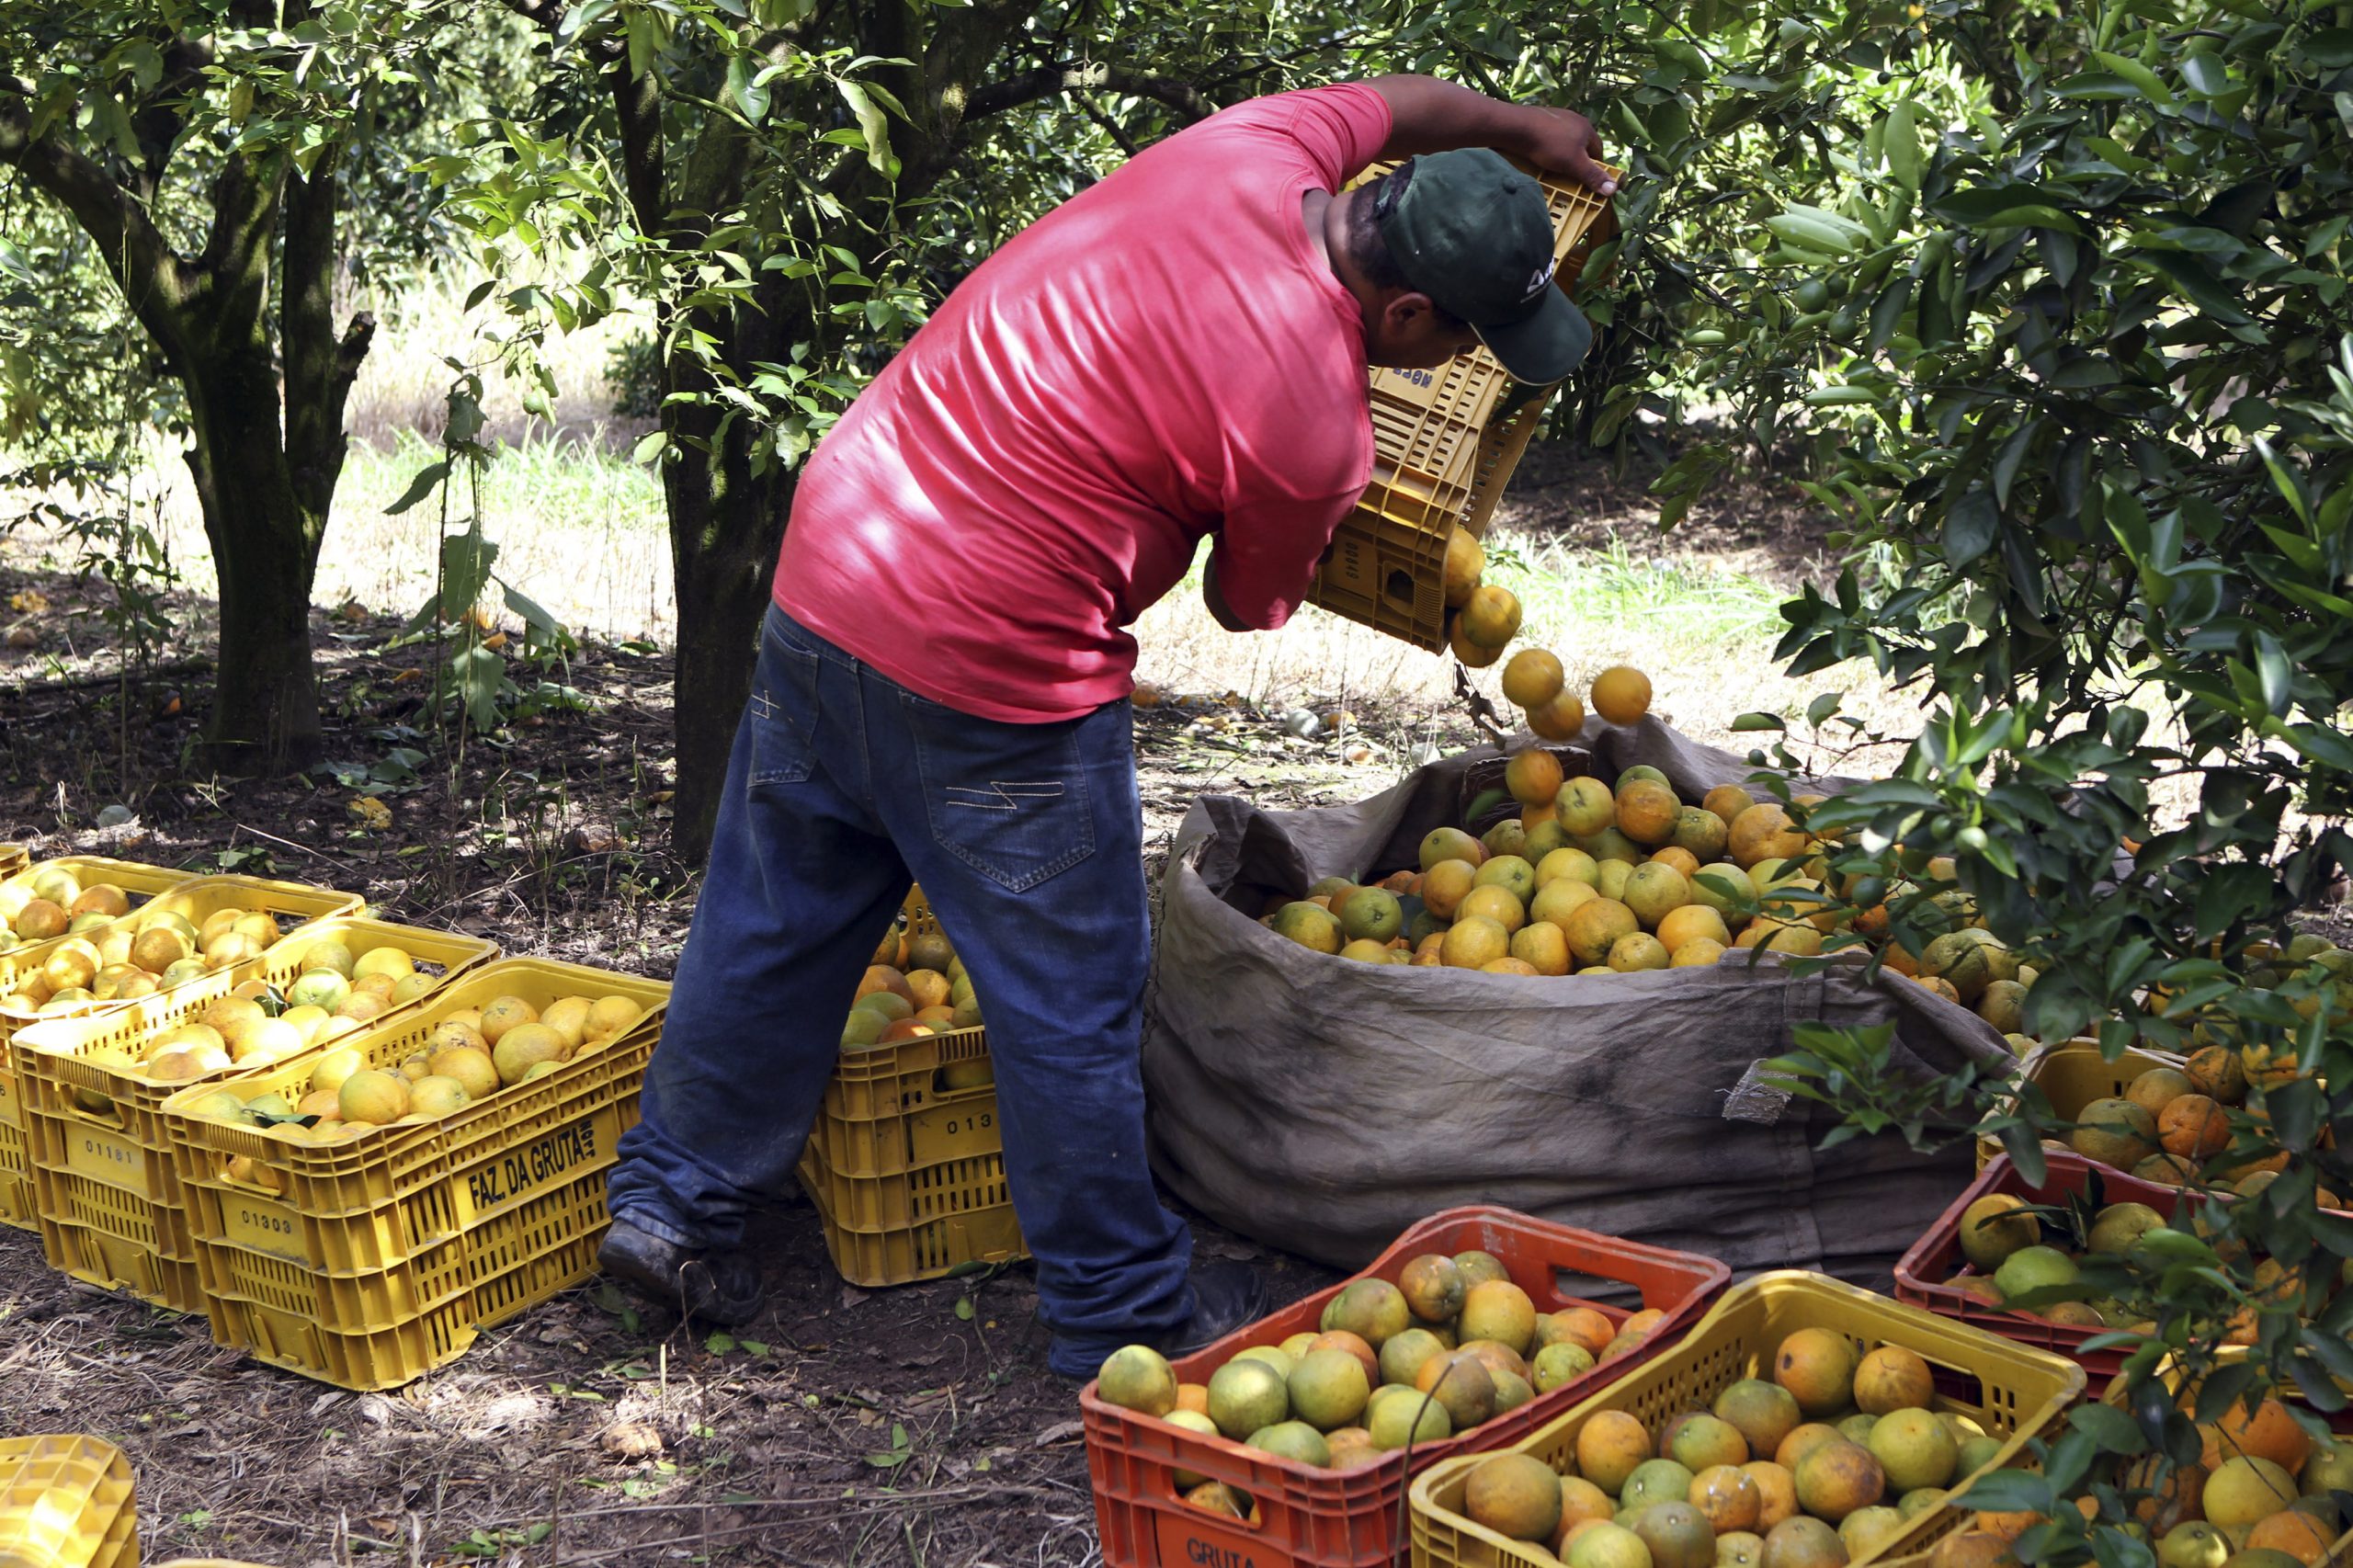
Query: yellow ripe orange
(1621, 694)
(1542, 946)
(1474, 655)
(1507, 965)
(1692, 923)
(1493, 902)
(1473, 942)
(1697, 953)
(1585, 805)
(1562, 719)
(1466, 562)
(877, 977)
(1533, 777)
(1532, 678)
(1489, 617)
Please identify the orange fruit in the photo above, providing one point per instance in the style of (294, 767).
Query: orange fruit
(1647, 811)
(1802, 1542)
(1839, 1477)
(1891, 1377)
(1638, 950)
(2293, 1531)
(2193, 1127)
(1763, 832)
(1474, 655)
(1698, 953)
(1817, 1367)
(1581, 1326)
(1445, 885)
(1727, 1496)
(1691, 923)
(1653, 891)
(1700, 833)
(1595, 927)
(1621, 694)
(2268, 1432)
(1533, 777)
(1586, 806)
(1727, 801)
(1466, 560)
(1532, 678)
(1777, 1491)
(1489, 617)
(1542, 946)
(1508, 965)
(1973, 1548)
(1610, 1445)
(1682, 860)
(2217, 1073)
(877, 977)
(1516, 1495)
(1489, 902)
(1473, 942)
(1562, 719)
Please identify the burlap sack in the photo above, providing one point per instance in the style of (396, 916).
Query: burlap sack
(1321, 1106)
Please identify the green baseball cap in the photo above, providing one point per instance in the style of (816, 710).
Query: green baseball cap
(1474, 233)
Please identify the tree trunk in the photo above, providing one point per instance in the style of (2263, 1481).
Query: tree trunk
(723, 551)
(264, 715)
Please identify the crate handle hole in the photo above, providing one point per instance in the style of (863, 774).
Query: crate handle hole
(1399, 588)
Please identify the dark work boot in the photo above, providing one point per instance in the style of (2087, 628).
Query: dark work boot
(721, 1288)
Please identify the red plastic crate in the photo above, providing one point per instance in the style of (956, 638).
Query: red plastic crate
(1924, 1274)
(1311, 1518)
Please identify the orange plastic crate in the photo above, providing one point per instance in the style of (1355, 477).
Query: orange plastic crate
(105, 1183)
(1308, 1516)
(65, 1502)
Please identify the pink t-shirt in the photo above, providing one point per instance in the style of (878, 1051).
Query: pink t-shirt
(1165, 354)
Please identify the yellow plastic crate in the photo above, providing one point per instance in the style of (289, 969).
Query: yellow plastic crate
(2071, 1075)
(14, 857)
(105, 1185)
(871, 1259)
(2011, 1390)
(1445, 441)
(372, 1258)
(65, 1502)
(141, 884)
(294, 906)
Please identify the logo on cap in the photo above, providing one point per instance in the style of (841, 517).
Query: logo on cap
(1536, 284)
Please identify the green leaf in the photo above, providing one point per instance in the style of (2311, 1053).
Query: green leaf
(1970, 525)
(873, 124)
(2110, 1427)
(648, 447)
(427, 479)
(2151, 87)
(720, 1344)
(751, 94)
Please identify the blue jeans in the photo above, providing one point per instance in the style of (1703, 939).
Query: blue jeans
(1027, 841)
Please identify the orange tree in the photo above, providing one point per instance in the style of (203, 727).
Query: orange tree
(2078, 371)
(207, 152)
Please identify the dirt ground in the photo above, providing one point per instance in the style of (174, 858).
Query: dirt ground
(915, 1426)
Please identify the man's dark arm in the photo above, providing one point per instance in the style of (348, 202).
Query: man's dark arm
(1430, 116)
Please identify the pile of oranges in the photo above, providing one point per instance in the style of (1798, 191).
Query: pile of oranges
(1828, 1454)
(1446, 1347)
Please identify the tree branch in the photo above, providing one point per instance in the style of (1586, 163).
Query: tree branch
(1047, 81)
(154, 279)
